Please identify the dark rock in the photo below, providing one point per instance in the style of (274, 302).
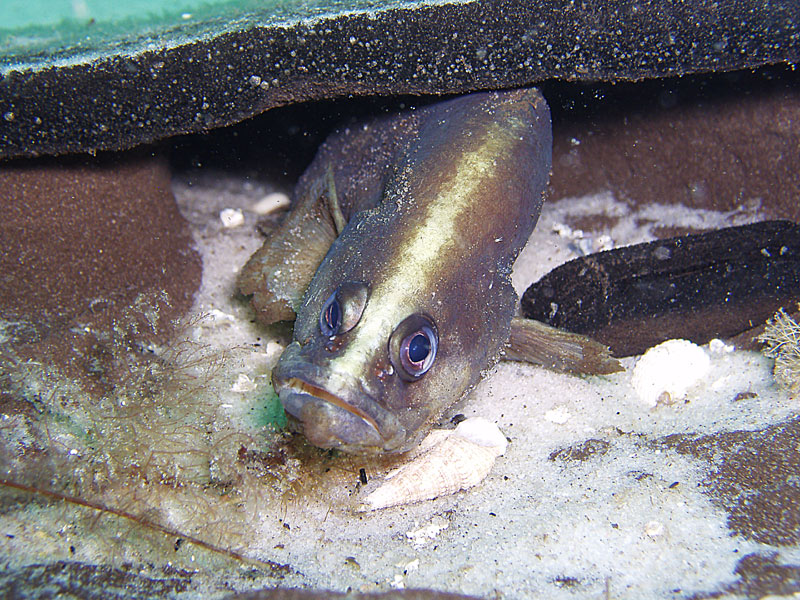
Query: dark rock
(64, 579)
(698, 287)
(290, 594)
(720, 143)
(581, 452)
(752, 475)
(159, 81)
(565, 581)
(759, 577)
(85, 240)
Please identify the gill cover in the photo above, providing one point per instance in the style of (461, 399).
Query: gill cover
(414, 299)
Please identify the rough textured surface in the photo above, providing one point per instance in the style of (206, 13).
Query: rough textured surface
(83, 239)
(752, 475)
(698, 287)
(580, 452)
(720, 142)
(618, 514)
(609, 515)
(284, 594)
(760, 576)
(714, 143)
(162, 83)
(66, 579)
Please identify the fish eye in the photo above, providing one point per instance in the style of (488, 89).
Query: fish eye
(331, 316)
(342, 310)
(413, 345)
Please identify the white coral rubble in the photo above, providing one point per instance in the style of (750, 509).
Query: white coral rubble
(664, 374)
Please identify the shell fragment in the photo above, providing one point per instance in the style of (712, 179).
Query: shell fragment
(452, 461)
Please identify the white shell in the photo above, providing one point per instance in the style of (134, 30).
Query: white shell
(271, 203)
(231, 217)
(665, 372)
(446, 462)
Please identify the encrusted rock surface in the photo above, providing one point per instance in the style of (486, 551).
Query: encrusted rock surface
(160, 83)
(84, 241)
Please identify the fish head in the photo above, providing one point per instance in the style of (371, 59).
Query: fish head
(337, 403)
(367, 371)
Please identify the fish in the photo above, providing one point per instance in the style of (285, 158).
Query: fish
(395, 264)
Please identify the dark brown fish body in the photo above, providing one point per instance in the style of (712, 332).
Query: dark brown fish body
(414, 299)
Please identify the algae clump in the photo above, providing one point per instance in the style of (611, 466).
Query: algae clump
(155, 460)
(782, 340)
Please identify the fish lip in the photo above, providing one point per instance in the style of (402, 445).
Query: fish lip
(297, 396)
(332, 411)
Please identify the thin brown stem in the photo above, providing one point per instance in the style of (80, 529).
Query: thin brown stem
(103, 509)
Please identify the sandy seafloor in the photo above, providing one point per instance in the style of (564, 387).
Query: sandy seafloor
(632, 522)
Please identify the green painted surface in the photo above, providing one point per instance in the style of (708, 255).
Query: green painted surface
(53, 13)
(273, 414)
(43, 33)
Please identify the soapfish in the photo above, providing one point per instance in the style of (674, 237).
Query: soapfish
(396, 260)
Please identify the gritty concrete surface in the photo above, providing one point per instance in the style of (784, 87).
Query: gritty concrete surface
(147, 80)
(84, 240)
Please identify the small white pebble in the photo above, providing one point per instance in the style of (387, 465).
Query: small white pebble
(425, 534)
(665, 372)
(584, 246)
(273, 350)
(558, 415)
(243, 384)
(231, 217)
(412, 566)
(717, 346)
(218, 316)
(603, 242)
(270, 203)
(654, 528)
(562, 229)
(482, 432)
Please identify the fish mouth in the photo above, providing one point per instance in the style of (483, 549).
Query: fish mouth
(345, 424)
(349, 420)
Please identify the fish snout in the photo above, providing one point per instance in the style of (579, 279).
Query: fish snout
(332, 409)
(328, 425)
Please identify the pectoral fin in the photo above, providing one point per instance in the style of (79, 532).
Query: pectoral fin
(278, 274)
(534, 342)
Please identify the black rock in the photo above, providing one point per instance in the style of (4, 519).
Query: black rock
(698, 287)
(115, 93)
